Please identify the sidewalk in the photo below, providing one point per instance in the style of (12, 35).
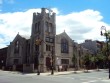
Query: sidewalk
(57, 73)
(66, 72)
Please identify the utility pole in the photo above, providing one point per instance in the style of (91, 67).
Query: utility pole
(106, 34)
(52, 61)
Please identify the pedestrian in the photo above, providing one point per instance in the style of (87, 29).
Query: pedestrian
(60, 67)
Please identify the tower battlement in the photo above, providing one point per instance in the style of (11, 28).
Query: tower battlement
(46, 14)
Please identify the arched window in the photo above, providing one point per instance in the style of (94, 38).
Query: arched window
(16, 50)
(48, 27)
(64, 46)
(37, 27)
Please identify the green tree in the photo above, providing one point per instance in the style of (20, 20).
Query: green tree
(101, 58)
(74, 60)
(103, 55)
(93, 60)
(86, 60)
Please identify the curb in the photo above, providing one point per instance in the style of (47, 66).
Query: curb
(57, 73)
(70, 72)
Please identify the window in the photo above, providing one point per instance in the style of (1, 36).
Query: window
(65, 61)
(37, 27)
(37, 47)
(48, 27)
(16, 61)
(64, 46)
(48, 47)
(49, 39)
(16, 49)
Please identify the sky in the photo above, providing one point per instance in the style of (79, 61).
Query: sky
(81, 19)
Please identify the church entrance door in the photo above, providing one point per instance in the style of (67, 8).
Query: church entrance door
(48, 63)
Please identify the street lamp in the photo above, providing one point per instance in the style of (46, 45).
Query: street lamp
(2, 63)
(52, 63)
(58, 62)
(106, 34)
(37, 43)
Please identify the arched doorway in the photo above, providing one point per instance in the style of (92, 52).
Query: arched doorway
(48, 63)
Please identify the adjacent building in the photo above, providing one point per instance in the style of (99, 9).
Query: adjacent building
(3, 56)
(93, 46)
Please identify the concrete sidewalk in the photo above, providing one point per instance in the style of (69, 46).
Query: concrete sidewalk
(56, 73)
(66, 72)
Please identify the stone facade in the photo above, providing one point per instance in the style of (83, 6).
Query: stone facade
(17, 51)
(64, 52)
(22, 51)
(44, 30)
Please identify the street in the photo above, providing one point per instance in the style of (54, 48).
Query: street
(93, 77)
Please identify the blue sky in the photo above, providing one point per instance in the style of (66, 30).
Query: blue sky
(83, 18)
(65, 6)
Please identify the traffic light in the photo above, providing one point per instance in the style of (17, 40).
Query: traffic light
(38, 42)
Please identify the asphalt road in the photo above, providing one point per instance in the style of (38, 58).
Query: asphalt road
(94, 77)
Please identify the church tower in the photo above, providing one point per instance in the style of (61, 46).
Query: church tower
(42, 44)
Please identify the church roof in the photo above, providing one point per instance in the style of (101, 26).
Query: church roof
(63, 33)
(25, 36)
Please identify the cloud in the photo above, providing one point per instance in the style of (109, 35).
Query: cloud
(12, 23)
(81, 25)
(78, 25)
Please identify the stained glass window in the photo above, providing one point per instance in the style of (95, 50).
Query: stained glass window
(16, 50)
(64, 46)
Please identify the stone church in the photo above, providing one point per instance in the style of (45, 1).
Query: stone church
(43, 49)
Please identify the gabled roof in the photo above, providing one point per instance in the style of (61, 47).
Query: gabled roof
(18, 36)
(63, 34)
(25, 36)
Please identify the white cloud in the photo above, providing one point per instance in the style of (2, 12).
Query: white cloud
(12, 23)
(81, 25)
(78, 25)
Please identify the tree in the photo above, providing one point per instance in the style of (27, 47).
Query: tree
(100, 60)
(86, 60)
(93, 60)
(74, 59)
(104, 53)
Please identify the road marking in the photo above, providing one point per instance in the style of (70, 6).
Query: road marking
(90, 81)
(93, 81)
(64, 77)
(85, 82)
